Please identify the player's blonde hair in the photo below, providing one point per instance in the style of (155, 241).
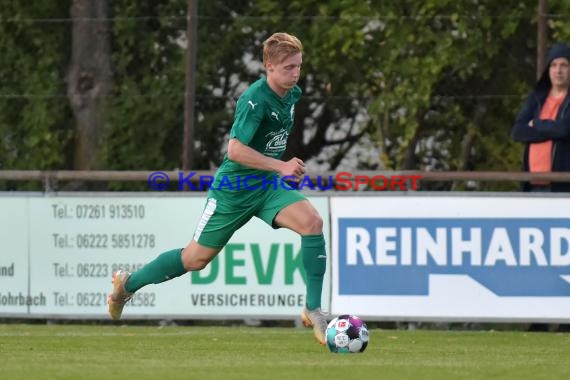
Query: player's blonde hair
(280, 46)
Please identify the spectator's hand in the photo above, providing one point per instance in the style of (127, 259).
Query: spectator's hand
(295, 167)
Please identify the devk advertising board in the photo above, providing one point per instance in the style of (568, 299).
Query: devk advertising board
(58, 254)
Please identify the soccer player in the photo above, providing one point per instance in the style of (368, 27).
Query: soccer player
(262, 123)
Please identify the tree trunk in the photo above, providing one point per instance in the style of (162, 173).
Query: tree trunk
(468, 142)
(542, 31)
(89, 79)
(190, 95)
(410, 159)
(469, 138)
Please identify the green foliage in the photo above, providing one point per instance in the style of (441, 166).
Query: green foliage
(559, 25)
(146, 110)
(35, 118)
(418, 85)
(440, 64)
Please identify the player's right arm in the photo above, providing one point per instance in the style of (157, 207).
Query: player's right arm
(244, 155)
(248, 117)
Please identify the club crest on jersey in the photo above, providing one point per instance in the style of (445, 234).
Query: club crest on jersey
(277, 142)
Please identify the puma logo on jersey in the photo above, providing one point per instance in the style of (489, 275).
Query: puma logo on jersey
(252, 104)
(274, 115)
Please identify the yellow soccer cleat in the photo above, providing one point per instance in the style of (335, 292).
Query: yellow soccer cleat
(317, 319)
(119, 297)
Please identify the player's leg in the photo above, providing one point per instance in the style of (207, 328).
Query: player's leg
(164, 267)
(197, 254)
(302, 218)
(290, 209)
(216, 226)
(171, 264)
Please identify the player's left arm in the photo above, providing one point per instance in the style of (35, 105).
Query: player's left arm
(244, 155)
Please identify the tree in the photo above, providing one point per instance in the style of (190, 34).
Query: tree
(35, 119)
(395, 84)
(416, 82)
(89, 80)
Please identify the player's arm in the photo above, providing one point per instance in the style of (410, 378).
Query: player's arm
(244, 155)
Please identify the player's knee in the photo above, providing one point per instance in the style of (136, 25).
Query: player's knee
(191, 262)
(194, 265)
(313, 224)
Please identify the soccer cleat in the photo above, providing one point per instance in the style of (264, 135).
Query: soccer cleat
(317, 319)
(119, 297)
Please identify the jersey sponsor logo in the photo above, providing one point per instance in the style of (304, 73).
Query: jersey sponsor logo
(277, 142)
(252, 104)
(274, 115)
(511, 257)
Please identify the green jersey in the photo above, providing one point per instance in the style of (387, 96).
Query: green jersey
(263, 121)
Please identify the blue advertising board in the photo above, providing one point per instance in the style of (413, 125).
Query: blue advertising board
(452, 257)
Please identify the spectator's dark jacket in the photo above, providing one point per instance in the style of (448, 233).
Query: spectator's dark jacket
(542, 130)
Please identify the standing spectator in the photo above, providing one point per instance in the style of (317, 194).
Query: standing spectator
(543, 124)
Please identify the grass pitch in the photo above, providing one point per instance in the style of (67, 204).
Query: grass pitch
(133, 352)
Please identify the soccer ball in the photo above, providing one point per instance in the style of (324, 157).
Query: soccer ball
(347, 334)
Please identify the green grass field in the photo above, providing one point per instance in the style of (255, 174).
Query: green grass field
(141, 352)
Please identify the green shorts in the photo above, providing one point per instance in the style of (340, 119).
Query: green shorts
(228, 210)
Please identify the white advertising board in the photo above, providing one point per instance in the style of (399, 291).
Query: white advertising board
(14, 252)
(75, 243)
(451, 258)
